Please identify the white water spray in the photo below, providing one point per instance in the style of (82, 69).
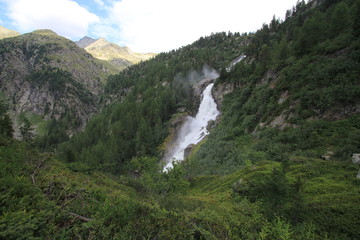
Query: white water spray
(235, 61)
(193, 129)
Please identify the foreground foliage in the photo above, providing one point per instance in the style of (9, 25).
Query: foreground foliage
(42, 197)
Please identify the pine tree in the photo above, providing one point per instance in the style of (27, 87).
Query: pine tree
(312, 32)
(6, 125)
(265, 56)
(26, 131)
(6, 128)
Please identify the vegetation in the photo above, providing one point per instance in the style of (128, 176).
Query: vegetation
(6, 129)
(291, 87)
(45, 198)
(145, 96)
(63, 81)
(276, 166)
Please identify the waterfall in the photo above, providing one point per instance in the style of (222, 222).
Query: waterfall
(194, 129)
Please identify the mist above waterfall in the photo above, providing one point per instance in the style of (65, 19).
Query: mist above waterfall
(209, 73)
(193, 77)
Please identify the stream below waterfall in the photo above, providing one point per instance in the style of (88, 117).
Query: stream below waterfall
(194, 129)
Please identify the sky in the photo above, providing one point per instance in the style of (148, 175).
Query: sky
(143, 25)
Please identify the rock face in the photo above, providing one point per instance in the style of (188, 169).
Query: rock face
(48, 75)
(221, 90)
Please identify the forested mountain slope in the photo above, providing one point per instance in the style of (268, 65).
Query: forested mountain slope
(44, 76)
(299, 78)
(276, 165)
(142, 99)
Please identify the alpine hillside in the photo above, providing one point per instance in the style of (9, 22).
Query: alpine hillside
(281, 160)
(6, 33)
(46, 77)
(120, 57)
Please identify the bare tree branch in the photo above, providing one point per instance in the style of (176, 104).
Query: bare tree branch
(85, 219)
(37, 167)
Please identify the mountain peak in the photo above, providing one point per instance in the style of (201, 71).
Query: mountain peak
(103, 49)
(45, 32)
(85, 41)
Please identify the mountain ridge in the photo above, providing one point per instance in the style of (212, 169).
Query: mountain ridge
(6, 33)
(44, 74)
(119, 56)
(85, 41)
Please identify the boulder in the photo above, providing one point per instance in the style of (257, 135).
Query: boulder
(356, 158)
(328, 155)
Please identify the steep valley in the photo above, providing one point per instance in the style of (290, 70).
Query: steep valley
(279, 162)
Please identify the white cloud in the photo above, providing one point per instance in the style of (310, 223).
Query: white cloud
(162, 25)
(145, 25)
(65, 17)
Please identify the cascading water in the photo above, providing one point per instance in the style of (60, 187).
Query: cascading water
(193, 129)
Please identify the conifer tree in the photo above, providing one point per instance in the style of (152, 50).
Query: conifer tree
(6, 128)
(26, 131)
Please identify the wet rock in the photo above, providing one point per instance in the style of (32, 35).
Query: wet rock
(199, 88)
(210, 125)
(188, 150)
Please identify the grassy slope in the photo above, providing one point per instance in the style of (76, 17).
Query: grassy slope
(6, 33)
